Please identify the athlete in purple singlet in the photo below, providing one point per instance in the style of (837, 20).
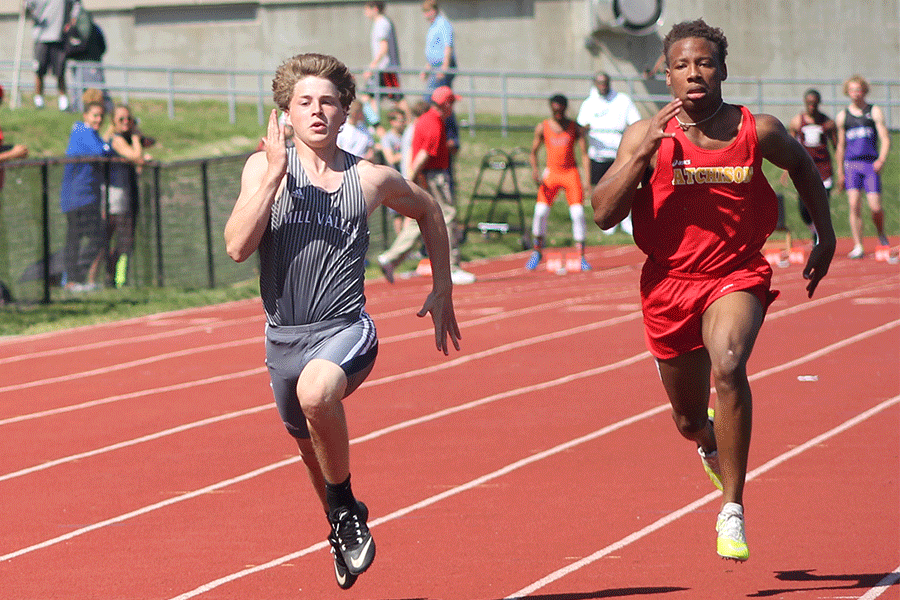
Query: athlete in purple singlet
(862, 149)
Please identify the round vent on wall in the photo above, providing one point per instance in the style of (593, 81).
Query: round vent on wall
(635, 17)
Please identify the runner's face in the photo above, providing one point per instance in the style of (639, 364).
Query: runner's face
(315, 111)
(695, 74)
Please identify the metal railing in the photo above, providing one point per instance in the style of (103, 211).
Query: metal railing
(503, 93)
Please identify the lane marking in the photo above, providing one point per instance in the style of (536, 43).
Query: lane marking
(534, 458)
(412, 422)
(570, 303)
(256, 339)
(882, 586)
(149, 337)
(673, 516)
(126, 365)
(371, 383)
(369, 436)
(149, 318)
(260, 370)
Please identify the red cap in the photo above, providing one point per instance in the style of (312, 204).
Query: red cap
(443, 94)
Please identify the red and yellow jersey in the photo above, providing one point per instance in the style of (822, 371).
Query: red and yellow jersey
(560, 145)
(705, 211)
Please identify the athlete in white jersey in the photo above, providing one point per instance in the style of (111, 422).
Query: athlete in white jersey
(305, 210)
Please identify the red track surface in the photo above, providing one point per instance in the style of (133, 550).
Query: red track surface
(144, 459)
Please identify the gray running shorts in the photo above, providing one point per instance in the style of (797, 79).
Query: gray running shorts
(349, 342)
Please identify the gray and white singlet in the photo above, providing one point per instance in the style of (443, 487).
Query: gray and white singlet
(313, 251)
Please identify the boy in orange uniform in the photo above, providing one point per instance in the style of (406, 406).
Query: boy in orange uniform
(559, 134)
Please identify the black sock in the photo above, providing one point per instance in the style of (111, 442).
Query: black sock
(339, 495)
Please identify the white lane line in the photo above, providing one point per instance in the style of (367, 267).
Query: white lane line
(127, 365)
(882, 586)
(150, 508)
(374, 382)
(673, 516)
(535, 458)
(150, 318)
(412, 422)
(372, 435)
(124, 341)
(258, 339)
(138, 394)
(260, 370)
(55, 411)
(442, 413)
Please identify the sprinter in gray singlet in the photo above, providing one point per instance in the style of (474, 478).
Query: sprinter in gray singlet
(305, 208)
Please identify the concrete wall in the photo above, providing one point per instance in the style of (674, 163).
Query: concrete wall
(818, 39)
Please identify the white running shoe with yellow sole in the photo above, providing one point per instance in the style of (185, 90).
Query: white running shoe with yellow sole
(711, 460)
(731, 542)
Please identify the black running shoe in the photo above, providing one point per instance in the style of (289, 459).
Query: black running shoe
(354, 542)
(345, 579)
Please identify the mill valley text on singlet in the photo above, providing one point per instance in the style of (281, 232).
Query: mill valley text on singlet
(313, 251)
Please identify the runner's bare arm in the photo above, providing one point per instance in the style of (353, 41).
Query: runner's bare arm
(839, 150)
(884, 139)
(585, 159)
(784, 151)
(536, 144)
(384, 185)
(262, 176)
(613, 195)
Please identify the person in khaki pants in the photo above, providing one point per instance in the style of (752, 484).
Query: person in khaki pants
(430, 168)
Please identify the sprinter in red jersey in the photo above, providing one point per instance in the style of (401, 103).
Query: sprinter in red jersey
(702, 210)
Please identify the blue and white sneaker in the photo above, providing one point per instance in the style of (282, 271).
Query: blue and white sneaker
(585, 265)
(533, 260)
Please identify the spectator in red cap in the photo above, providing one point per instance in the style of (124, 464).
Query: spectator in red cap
(430, 168)
(442, 94)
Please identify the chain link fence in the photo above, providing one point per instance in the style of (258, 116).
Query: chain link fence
(180, 215)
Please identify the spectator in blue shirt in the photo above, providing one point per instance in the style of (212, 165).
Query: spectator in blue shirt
(80, 198)
(439, 51)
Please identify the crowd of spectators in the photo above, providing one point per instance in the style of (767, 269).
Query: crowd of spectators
(100, 201)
